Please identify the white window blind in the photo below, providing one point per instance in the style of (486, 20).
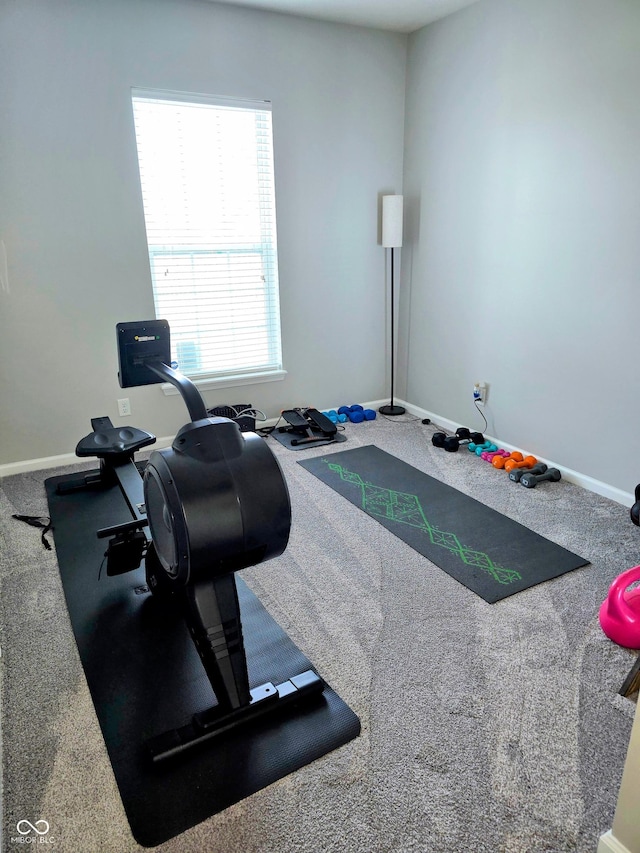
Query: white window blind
(206, 170)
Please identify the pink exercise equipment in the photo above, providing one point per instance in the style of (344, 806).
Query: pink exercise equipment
(620, 611)
(488, 455)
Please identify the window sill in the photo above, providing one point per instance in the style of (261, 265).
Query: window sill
(208, 383)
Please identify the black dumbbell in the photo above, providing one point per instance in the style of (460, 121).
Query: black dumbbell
(516, 473)
(453, 442)
(634, 512)
(530, 481)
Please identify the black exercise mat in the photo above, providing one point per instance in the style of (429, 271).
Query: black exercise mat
(487, 552)
(145, 677)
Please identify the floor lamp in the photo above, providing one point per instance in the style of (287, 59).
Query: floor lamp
(392, 239)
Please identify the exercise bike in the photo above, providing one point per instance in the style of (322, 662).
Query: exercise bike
(213, 503)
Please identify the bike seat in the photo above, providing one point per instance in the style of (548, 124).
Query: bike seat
(107, 440)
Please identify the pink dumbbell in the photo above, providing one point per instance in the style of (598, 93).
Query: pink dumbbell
(488, 455)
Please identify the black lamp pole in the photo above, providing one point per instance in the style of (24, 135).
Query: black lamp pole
(392, 409)
(392, 239)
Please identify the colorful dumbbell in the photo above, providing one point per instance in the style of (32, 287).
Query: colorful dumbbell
(500, 461)
(488, 455)
(334, 417)
(356, 413)
(478, 447)
(527, 462)
(489, 448)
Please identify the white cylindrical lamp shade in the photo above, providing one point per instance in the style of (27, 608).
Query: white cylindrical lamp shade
(392, 221)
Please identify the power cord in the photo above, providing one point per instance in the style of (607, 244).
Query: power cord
(265, 431)
(257, 414)
(481, 413)
(43, 522)
(400, 420)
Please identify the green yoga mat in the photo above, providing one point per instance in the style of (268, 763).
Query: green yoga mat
(490, 554)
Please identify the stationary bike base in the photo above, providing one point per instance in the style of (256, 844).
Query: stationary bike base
(267, 699)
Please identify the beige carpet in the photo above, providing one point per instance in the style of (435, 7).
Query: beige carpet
(492, 728)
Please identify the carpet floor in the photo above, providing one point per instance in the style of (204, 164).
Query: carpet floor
(485, 727)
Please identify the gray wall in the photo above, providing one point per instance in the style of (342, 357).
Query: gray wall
(522, 186)
(521, 265)
(71, 214)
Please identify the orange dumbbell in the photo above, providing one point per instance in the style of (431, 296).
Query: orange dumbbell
(500, 461)
(527, 462)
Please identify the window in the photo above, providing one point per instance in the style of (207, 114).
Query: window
(206, 170)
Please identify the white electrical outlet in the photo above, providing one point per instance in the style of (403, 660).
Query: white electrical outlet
(480, 393)
(124, 407)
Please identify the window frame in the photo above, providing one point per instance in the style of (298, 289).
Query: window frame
(230, 377)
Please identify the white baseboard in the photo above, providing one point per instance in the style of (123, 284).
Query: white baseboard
(64, 459)
(589, 483)
(26, 465)
(608, 843)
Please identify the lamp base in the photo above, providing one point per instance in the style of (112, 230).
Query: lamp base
(391, 410)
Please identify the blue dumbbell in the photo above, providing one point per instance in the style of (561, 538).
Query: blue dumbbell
(480, 448)
(334, 417)
(355, 413)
